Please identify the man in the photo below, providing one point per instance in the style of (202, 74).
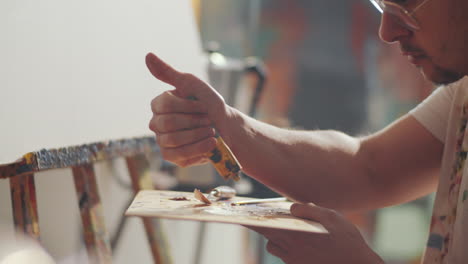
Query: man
(328, 172)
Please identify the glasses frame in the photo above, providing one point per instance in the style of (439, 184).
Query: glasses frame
(405, 17)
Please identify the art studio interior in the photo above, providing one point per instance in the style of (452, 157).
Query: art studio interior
(76, 148)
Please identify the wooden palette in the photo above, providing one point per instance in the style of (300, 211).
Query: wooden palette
(183, 206)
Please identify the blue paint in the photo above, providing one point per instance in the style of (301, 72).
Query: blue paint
(435, 241)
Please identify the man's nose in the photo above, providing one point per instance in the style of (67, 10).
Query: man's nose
(391, 29)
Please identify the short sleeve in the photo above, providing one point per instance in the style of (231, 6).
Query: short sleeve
(433, 113)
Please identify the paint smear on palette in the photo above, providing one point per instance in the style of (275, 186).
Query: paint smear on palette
(184, 206)
(252, 210)
(175, 203)
(179, 198)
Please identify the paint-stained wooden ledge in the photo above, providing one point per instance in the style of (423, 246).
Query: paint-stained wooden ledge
(46, 159)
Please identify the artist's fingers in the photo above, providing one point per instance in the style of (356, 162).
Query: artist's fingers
(167, 102)
(194, 161)
(183, 155)
(176, 122)
(324, 216)
(276, 250)
(276, 238)
(184, 137)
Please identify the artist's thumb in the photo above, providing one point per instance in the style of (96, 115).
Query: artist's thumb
(163, 71)
(314, 212)
(187, 85)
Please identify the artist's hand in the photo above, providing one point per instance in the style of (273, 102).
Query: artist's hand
(343, 243)
(184, 127)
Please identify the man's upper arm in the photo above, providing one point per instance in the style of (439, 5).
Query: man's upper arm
(405, 159)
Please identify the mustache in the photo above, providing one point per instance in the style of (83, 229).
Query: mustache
(406, 48)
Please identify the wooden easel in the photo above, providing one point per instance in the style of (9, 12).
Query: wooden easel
(80, 159)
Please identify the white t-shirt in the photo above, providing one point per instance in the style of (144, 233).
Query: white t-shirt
(433, 112)
(445, 115)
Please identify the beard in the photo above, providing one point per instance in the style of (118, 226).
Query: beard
(442, 76)
(434, 72)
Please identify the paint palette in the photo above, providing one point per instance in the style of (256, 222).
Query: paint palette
(184, 206)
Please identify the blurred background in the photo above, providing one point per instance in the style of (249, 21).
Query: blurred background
(304, 64)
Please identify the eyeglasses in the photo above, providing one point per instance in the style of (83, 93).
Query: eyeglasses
(404, 17)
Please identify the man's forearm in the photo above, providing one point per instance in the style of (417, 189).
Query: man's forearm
(324, 167)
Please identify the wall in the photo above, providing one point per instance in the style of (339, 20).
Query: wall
(73, 72)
